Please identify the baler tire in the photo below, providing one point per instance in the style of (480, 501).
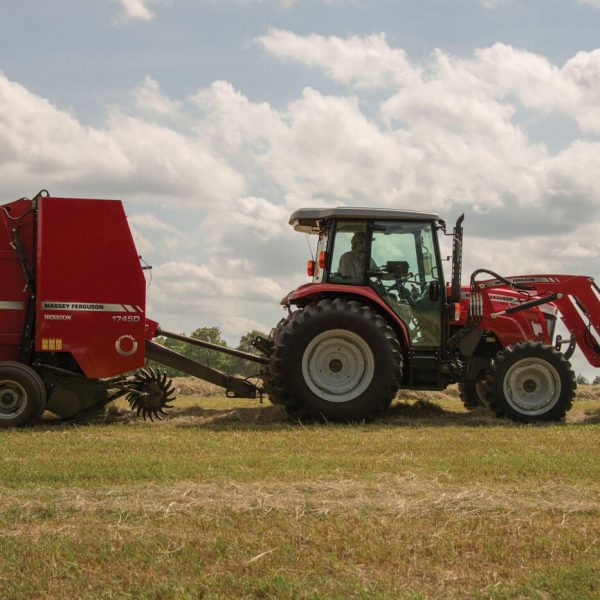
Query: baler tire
(22, 387)
(531, 382)
(361, 366)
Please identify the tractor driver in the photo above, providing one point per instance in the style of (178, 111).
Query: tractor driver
(352, 263)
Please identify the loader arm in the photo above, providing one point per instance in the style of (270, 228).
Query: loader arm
(576, 297)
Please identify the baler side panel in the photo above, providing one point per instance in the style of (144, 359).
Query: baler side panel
(91, 288)
(13, 295)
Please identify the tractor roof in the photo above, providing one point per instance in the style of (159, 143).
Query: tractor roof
(307, 220)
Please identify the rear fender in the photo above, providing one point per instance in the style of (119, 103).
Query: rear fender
(311, 292)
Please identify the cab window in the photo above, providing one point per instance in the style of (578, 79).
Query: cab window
(350, 252)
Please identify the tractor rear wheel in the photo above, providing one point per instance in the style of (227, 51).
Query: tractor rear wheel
(335, 360)
(531, 382)
(22, 395)
(270, 379)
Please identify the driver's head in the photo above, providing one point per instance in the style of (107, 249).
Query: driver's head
(359, 241)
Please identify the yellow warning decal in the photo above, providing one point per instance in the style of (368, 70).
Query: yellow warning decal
(51, 344)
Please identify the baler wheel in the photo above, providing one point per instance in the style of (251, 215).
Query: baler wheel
(152, 391)
(22, 395)
(531, 382)
(335, 360)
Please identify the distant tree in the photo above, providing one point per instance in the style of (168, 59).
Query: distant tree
(596, 380)
(210, 358)
(246, 367)
(582, 379)
(175, 345)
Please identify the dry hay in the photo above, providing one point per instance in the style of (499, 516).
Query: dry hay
(587, 392)
(387, 494)
(190, 386)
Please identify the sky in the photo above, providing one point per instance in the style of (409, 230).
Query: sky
(213, 120)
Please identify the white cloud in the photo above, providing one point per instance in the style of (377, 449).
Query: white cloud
(149, 100)
(366, 62)
(142, 10)
(129, 155)
(583, 70)
(209, 201)
(136, 10)
(529, 77)
(492, 4)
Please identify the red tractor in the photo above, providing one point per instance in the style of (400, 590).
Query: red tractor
(377, 317)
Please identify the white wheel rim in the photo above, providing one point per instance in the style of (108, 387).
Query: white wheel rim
(532, 386)
(338, 365)
(13, 399)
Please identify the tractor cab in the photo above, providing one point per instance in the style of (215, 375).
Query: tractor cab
(393, 253)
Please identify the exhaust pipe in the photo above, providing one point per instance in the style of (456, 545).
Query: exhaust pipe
(457, 248)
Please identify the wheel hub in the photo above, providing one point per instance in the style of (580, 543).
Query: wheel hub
(532, 386)
(338, 365)
(12, 398)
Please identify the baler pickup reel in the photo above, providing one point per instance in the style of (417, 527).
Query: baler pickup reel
(151, 393)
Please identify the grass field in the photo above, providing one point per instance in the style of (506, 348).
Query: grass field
(229, 499)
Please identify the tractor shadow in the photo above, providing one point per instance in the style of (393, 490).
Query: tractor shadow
(413, 414)
(419, 413)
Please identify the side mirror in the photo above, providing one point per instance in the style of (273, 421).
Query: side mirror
(434, 291)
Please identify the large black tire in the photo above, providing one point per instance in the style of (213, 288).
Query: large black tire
(473, 394)
(275, 394)
(334, 360)
(22, 395)
(530, 382)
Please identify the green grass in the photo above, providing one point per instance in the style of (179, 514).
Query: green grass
(229, 499)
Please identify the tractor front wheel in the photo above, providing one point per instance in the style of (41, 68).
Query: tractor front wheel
(335, 360)
(531, 382)
(22, 395)
(472, 394)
